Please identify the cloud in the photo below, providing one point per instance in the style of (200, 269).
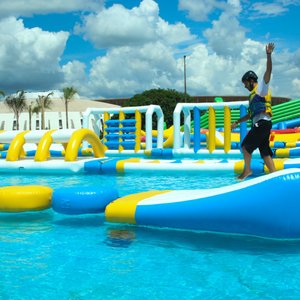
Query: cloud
(209, 73)
(29, 58)
(264, 10)
(270, 9)
(200, 10)
(153, 60)
(296, 86)
(285, 74)
(125, 71)
(297, 58)
(74, 74)
(30, 7)
(118, 26)
(143, 51)
(226, 36)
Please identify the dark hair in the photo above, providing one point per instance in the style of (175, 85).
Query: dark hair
(250, 75)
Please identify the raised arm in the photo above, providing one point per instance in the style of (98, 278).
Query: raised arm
(269, 49)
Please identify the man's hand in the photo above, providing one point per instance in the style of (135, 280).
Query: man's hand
(234, 125)
(269, 48)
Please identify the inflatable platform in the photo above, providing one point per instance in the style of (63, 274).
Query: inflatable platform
(265, 206)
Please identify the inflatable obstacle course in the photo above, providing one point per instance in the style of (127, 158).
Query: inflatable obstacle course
(71, 140)
(25, 198)
(242, 208)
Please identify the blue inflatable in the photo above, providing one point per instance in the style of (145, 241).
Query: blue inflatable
(267, 206)
(82, 200)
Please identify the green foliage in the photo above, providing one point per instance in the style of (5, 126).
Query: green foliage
(17, 103)
(166, 99)
(42, 103)
(69, 93)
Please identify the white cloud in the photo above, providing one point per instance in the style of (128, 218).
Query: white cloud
(214, 68)
(74, 74)
(227, 36)
(30, 7)
(269, 9)
(285, 74)
(200, 10)
(289, 2)
(118, 26)
(125, 71)
(297, 58)
(296, 86)
(143, 51)
(212, 74)
(29, 58)
(261, 9)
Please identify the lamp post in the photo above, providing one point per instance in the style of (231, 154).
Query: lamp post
(184, 76)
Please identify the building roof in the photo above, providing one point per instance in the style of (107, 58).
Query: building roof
(58, 105)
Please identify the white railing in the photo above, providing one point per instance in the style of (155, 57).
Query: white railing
(149, 111)
(186, 109)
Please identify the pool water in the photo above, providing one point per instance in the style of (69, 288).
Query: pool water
(125, 183)
(46, 255)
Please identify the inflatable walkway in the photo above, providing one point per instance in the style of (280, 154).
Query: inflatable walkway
(266, 206)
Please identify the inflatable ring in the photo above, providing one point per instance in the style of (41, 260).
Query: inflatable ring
(82, 200)
(25, 198)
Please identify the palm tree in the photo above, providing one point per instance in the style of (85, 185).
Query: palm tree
(17, 104)
(43, 102)
(69, 93)
(29, 107)
(32, 109)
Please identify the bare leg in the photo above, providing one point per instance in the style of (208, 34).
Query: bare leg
(269, 163)
(247, 160)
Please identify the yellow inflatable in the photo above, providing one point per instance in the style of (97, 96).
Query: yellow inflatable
(25, 198)
(168, 135)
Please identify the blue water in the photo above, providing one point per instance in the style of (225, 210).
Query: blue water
(46, 255)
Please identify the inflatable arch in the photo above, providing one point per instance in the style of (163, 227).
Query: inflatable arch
(71, 140)
(43, 149)
(15, 149)
(76, 139)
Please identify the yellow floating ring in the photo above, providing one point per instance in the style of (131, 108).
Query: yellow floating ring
(25, 198)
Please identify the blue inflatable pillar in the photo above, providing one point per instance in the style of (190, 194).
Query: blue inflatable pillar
(197, 129)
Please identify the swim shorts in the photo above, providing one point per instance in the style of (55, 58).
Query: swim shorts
(258, 137)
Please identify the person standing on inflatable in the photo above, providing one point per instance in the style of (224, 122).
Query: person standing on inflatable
(260, 112)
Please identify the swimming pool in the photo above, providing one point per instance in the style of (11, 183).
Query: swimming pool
(46, 255)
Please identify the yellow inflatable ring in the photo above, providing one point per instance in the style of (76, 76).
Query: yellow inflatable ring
(25, 198)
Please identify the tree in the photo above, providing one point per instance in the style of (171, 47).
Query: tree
(30, 111)
(166, 99)
(2, 93)
(69, 93)
(43, 102)
(17, 103)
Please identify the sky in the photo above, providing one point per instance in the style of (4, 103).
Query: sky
(116, 49)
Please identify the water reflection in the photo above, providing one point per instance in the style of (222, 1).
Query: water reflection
(25, 223)
(119, 237)
(124, 236)
(79, 221)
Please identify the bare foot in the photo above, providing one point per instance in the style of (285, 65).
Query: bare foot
(244, 175)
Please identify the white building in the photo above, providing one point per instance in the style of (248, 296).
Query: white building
(55, 118)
